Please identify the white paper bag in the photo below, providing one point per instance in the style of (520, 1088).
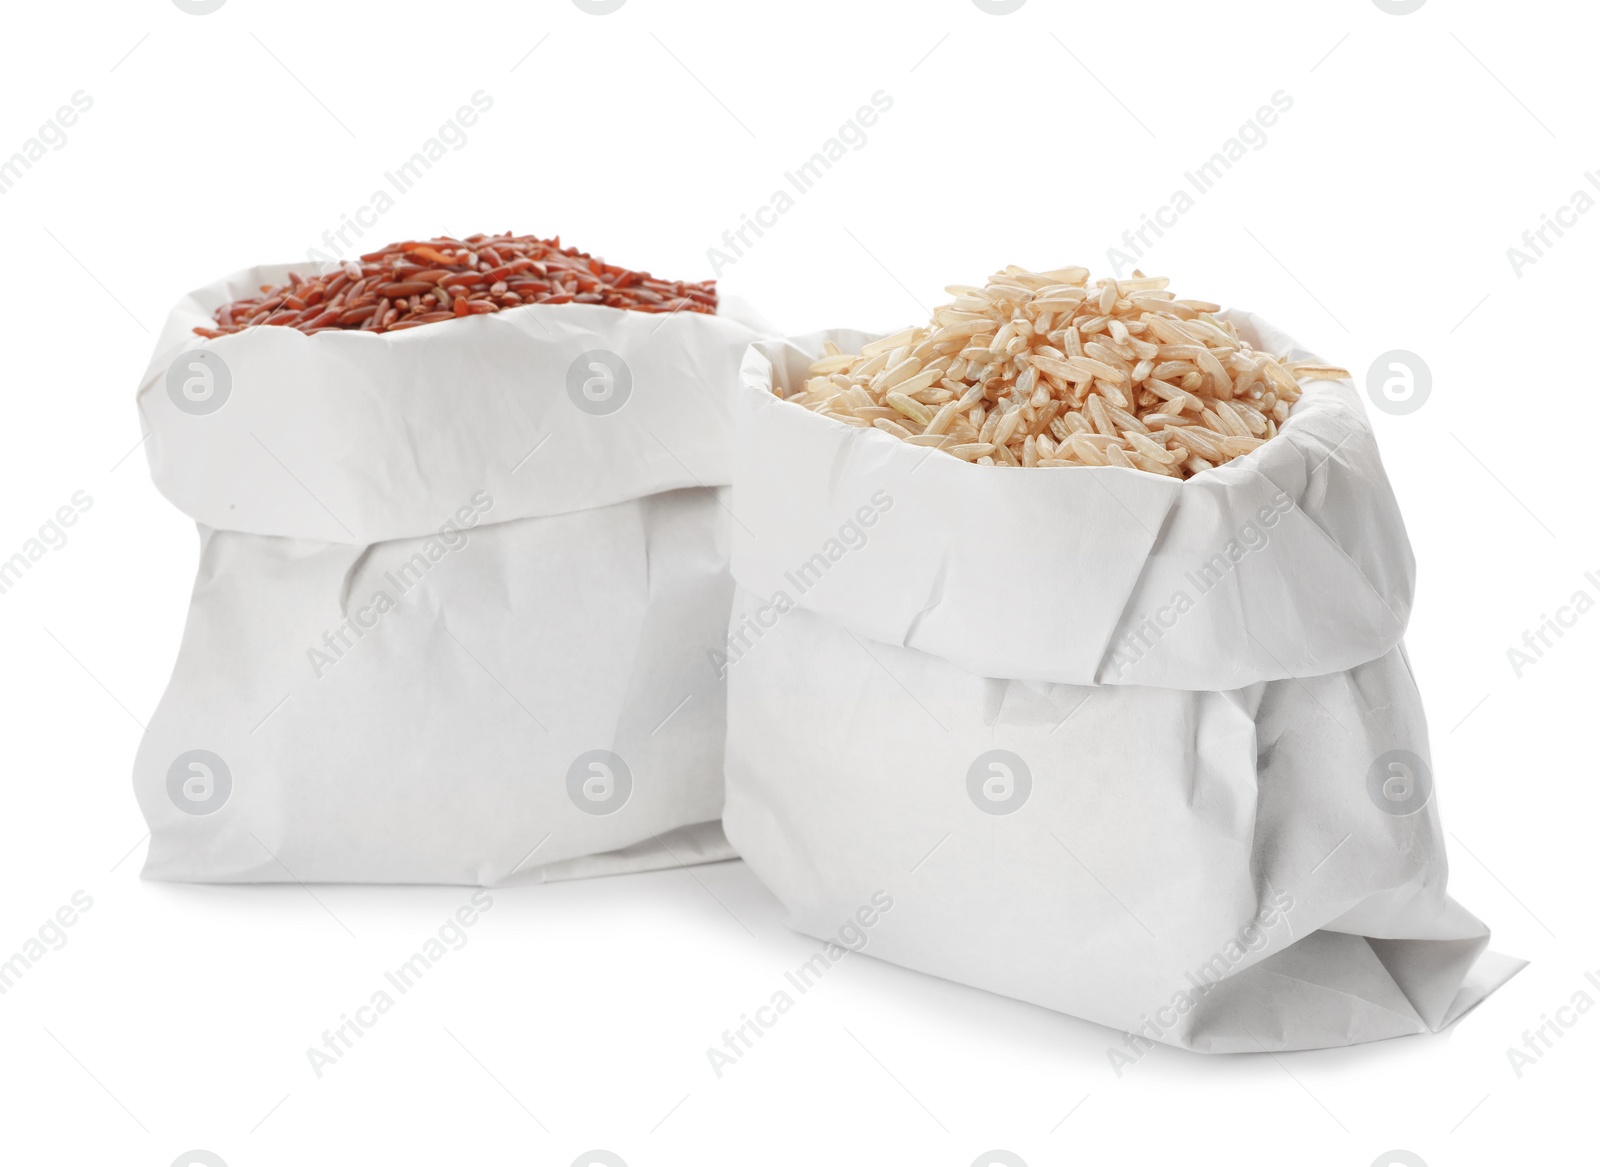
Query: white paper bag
(1144, 751)
(455, 588)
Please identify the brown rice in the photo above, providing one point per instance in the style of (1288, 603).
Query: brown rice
(1044, 369)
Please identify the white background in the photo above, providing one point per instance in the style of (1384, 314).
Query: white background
(1377, 217)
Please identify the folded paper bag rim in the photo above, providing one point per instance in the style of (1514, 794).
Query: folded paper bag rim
(358, 437)
(1291, 561)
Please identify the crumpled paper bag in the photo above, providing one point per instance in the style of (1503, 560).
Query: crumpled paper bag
(454, 592)
(1143, 751)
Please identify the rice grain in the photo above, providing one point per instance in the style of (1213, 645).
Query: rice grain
(1043, 369)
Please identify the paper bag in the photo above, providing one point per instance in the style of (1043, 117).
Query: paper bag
(1144, 751)
(455, 588)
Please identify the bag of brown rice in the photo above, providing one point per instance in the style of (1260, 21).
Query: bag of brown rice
(1137, 745)
(455, 584)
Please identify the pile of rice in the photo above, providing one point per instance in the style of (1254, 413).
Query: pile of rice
(1043, 369)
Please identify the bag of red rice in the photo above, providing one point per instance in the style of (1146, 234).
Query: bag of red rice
(456, 580)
